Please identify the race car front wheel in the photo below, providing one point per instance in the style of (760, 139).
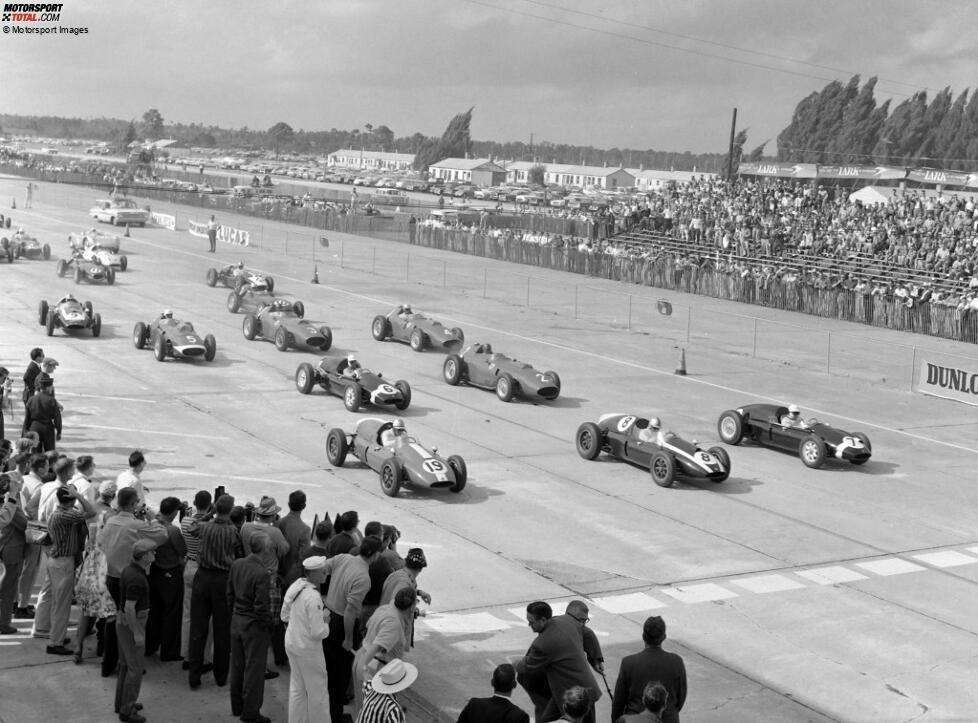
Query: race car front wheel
(405, 389)
(391, 474)
(662, 467)
(380, 328)
(452, 371)
(97, 325)
(139, 335)
(352, 396)
(336, 447)
(304, 378)
(42, 312)
(812, 452)
(461, 472)
(588, 440)
(210, 347)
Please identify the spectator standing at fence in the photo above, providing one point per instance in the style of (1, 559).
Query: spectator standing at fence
(30, 194)
(251, 627)
(412, 230)
(131, 631)
(653, 664)
(13, 543)
(212, 233)
(131, 477)
(308, 626)
(166, 587)
(30, 374)
(499, 708)
(43, 415)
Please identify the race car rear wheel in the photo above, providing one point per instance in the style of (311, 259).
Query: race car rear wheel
(249, 327)
(391, 474)
(123, 263)
(46, 251)
(405, 389)
(78, 275)
(159, 348)
(336, 447)
(62, 268)
(212, 277)
(460, 470)
(89, 309)
(452, 371)
(110, 276)
(97, 325)
(282, 339)
(588, 440)
(327, 335)
(299, 308)
(210, 347)
(305, 377)
(352, 396)
(721, 454)
(417, 340)
(504, 387)
(49, 324)
(380, 328)
(139, 335)
(730, 427)
(234, 302)
(662, 467)
(812, 452)
(42, 313)
(270, 282)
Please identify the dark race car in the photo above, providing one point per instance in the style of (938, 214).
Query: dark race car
(812, 440)
(479, 366)
(279, 321)
(236, 277)
(365, 388)
(252, 298)
(69, 314)
(28, 247)
(417, 329)
(664, 454)
(398, 458)
(171, 337)
(83, 270)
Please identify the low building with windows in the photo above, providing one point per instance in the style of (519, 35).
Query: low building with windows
(477, 171)
(653, 180)
(370, 160)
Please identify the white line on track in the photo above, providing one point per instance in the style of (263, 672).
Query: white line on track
(100, 396)
(595, 355)
(148, 431)
(239, 477)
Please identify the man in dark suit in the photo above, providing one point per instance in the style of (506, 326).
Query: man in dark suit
(652, 665)
(33, 369)
(499, 708)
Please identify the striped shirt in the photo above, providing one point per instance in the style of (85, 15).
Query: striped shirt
(379, 707)
(187, 524)
(220, 544)
(65, 528)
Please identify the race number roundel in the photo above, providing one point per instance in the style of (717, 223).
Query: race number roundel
(625, 422)
(386, 389)
(434, 466)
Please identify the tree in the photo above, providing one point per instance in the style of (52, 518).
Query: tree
(280, 134)
(127, 136)
(455, 142)
(152, 125)
(738, 150)
(204, 139)
(537, 175)
(758, 153)
(384, 138)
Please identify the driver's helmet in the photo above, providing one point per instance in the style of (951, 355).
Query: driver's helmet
(66, 298)
(20, 229)
(241, 264)
(398, 427)
(487, 348)
(167, 314)
(406, 308)
(654, 424)
(793, 410)
(352, 363)
(92, 231)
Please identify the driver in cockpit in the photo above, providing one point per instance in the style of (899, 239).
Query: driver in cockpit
(653, 432)
(793, 418)
(167, 314)
(395, 436)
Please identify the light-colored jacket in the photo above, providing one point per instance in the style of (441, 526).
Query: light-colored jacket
(308, 619)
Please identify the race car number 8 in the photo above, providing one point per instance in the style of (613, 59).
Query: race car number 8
(433, 465)
(625, 422)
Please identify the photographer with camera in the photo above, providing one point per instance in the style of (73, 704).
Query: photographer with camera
(13, 522)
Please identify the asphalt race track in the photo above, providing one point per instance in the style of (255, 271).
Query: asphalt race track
(841, 594)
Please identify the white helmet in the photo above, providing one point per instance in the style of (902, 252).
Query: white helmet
(793, 409)
(241, 264)
(399, 424)
(655, 423)
(167, 314)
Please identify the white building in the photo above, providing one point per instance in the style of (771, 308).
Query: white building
(370, 160)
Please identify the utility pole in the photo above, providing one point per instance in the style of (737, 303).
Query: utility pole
(730, 151)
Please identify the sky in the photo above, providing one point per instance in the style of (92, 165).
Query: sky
(640, 74)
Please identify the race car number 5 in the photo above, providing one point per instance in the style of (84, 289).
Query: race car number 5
(625, 422)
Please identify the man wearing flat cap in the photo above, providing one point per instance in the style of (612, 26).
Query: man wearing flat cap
(276, 550)
(414, 562)
(651, 665)
(131, 630)
(308, 626)
(43, 415)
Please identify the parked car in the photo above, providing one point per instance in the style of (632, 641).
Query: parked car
(119, 212)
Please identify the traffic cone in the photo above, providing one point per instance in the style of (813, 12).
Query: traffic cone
(315, 275)
(681, 369)
(127, 230)
(13, 203)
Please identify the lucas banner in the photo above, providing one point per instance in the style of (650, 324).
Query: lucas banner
(164, 220)
(949, 382)
(226, 234)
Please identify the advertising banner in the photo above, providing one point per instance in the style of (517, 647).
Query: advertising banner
(227, 234)
(164, 220)
(949, 382)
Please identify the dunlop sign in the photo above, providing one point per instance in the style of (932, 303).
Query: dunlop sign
(949, 382)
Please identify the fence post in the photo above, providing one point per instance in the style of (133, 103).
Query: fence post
(828, 353)
(261, 235)
(754, 351)
(373, 263)
(444, 273)
(689, 321)
(527, 292)
(575, 301)
(629, 312)
(485, 280)
(342, 246)
(913, 367)
(407, 268)
(286, 243)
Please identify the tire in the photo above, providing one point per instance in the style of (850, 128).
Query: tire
(271, 284)
(417, 340)
(588, 440)
(42, 312)
(461, 472)
(452, 370)
(504, 387)
(721, 454)
(89, 309)
(865, 440)
(210, 347)
(97, 325)
(555, 377)
(123, 263)
(328, 336)
(812, 452)
(405, 389)
(249, 327)
(139, 335)
(282, 339)
(352, 396)
(459, 333)
(49, 324)
(391, 474)
(662, 467)
(300, 309)
(78, 275)
(234, 302)
(62, 268)
(305, 377)
(730, 427)
(336, 447)
(239, 284)
(159, 348)
(46, 251)
(110, 276)
(212, 277)
(380, 328)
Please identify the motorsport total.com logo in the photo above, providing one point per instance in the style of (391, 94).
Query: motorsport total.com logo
(31, 12)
